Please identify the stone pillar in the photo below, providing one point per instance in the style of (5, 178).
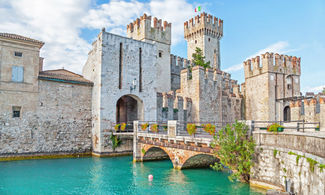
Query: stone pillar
(322, 114)
(136, 147)
(172, 128)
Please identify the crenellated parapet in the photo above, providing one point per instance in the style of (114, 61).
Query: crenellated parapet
(269, 62)
(173, 106)
(203, 24)
(141, 29)
(178, 63)
(309, 109)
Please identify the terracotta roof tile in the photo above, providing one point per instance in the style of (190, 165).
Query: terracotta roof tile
(62, 75)
(19, 37)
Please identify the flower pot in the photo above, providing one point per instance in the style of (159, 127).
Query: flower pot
(317, 129)
(280, 129)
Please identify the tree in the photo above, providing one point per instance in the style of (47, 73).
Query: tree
(198, 59)
(236, 151)
(324, 90)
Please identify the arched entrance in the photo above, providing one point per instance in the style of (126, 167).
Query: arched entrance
(128, 109)
(286, 114)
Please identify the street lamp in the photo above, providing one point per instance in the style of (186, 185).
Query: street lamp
(134, 85)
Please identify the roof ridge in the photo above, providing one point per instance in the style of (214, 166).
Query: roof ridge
(20, 37)
(63, 70)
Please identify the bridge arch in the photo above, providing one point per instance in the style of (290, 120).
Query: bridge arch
(199, 161)
(155, 153)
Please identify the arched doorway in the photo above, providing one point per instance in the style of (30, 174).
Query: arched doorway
(128, 109)
(286, 114)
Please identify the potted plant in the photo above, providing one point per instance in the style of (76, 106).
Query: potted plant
(191, 128)
(275, 127)
(117, 126)
(144, 126)
(122, 126)
(317, 128)
(154, 128)
(209, 128)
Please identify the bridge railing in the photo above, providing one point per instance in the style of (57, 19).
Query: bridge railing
(298, 125)
(153, 127)
(203, 129)
(120, 128)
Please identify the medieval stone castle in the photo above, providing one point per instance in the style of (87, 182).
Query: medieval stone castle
(137, 78)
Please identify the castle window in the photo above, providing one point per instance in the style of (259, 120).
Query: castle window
(17, 74)
(18, 54)
(120, 66)
(195, 41)
(16, 111)
(140, 69)
(289, 86)
(209, 39)
(160, 54)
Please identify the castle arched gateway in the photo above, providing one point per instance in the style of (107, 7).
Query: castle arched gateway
(286, 113)
(129, 108)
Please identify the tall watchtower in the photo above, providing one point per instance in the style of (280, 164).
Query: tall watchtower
(204, 32)
(271, 81)
(160, 35)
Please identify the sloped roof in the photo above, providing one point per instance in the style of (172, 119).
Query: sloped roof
(62, 75)
(19, 37)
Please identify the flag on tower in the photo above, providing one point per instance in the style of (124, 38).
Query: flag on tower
(198, 9)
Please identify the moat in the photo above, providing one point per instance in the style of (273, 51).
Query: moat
(116, 175)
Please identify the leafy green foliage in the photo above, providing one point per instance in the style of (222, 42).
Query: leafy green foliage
(275, 152)
(274, 127)
(143, 151)
(236, 150)
(323, 91)
(115, 141)
(321, 167)
(199, 59)
(312, 164)
(154, 127)
(144, 126)
(191, 128)
(209, 128)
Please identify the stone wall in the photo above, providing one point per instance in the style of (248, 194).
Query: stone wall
(103, 69)
(276, 77)
(215, 96)
(313, 110)
(61, 122)
(274, 164)
(171, 106)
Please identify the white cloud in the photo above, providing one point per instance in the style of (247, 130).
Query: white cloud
(281, 47)
(314, 89)
(174, 11)
(55, 23)
(58, 23)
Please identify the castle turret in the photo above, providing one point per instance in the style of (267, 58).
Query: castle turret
(270, 82)
(160, 35)
(204, 32)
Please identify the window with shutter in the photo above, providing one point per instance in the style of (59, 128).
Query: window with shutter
(17, 74)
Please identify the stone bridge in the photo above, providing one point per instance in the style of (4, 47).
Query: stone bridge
(184, 151)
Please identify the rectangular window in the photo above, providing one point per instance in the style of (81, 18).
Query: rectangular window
(16, 111)
(120, 66)
(18, 54)
(140, 69)
(160, 54)
(17, 74)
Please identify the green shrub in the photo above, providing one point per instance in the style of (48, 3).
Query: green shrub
(236, 150)
(191, 128)
(274, 127)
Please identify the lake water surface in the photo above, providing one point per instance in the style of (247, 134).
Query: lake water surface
(116, 175)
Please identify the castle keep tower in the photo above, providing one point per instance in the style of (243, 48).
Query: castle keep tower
(270, 83)
(204, 32)
(160, 35)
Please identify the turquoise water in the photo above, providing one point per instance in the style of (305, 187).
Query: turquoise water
(116, 175)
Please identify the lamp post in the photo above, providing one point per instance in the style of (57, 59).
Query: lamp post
(133, 85)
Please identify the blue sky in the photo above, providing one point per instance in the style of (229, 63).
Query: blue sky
(251, 27)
